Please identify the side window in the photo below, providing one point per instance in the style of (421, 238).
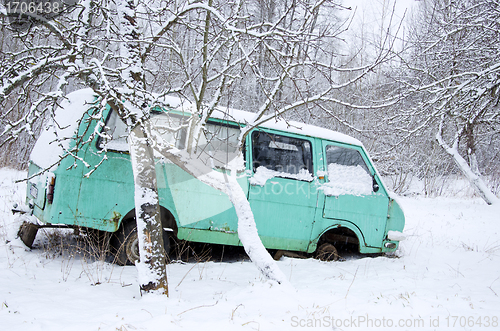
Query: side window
(347, 173)
(171, 128)
(345, 156)
(114, 135)
(281, 153)
(219, 144)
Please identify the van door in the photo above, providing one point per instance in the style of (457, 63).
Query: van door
(281, 194)
(349, 192)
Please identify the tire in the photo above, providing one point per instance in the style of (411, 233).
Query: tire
(27, 233)
(327, 252)
(125, 244)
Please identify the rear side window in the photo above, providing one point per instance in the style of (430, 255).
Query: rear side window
(281, 153)
(218, 145)
(171, 128)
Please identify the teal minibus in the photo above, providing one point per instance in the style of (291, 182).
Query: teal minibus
(310, 189)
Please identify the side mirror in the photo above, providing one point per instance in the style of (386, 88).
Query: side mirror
(375, 184)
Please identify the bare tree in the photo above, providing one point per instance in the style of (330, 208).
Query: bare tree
(454, 72)
(134, 54)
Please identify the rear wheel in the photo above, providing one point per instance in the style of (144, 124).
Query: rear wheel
(27, 233)
(125, 244)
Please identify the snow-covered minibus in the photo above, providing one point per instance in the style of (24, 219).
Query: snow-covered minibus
(310, 189)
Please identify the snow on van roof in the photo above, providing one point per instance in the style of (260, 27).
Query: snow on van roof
(288, 126)
(245, 117)
(51, 144)
(48, 151)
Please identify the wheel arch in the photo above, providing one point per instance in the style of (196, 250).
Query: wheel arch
(338, 233)
(168, 219)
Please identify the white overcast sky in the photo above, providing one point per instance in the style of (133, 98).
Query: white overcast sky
(372, 16)
(371, 11)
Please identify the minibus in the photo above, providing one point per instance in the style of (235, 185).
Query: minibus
(311, 190)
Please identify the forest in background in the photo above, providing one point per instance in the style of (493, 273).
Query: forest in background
(441, 80)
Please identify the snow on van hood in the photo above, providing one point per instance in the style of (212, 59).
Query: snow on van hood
(48, 151)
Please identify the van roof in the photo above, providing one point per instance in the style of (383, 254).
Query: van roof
(243, 117)
(48, 150)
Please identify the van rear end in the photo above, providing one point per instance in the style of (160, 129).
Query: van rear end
(36, 190)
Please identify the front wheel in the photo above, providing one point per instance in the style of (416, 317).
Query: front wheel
(327, 252)
(125, 244)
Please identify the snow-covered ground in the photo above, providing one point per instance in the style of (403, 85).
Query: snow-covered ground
(446, 276)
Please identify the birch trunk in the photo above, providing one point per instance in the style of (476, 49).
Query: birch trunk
(152, 265)
(248, 234)
(247, 229)
(477, 183)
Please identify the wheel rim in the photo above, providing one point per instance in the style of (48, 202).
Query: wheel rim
(327, 252)
(132, 248)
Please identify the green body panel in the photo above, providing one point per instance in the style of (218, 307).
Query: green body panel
(209, 236)
(290, 214)
(107, 194)
(395, 219)
(65, 209)
(284, 211)
(367, 213)
(198, 205)
(36, 187)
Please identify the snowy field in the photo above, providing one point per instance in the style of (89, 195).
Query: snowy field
(445, 276)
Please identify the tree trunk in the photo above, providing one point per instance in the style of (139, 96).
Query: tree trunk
(152, 265)
(477, 183)
(247, 229)
(248, 235)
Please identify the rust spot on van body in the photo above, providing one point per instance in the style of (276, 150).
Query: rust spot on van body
(116, 220)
